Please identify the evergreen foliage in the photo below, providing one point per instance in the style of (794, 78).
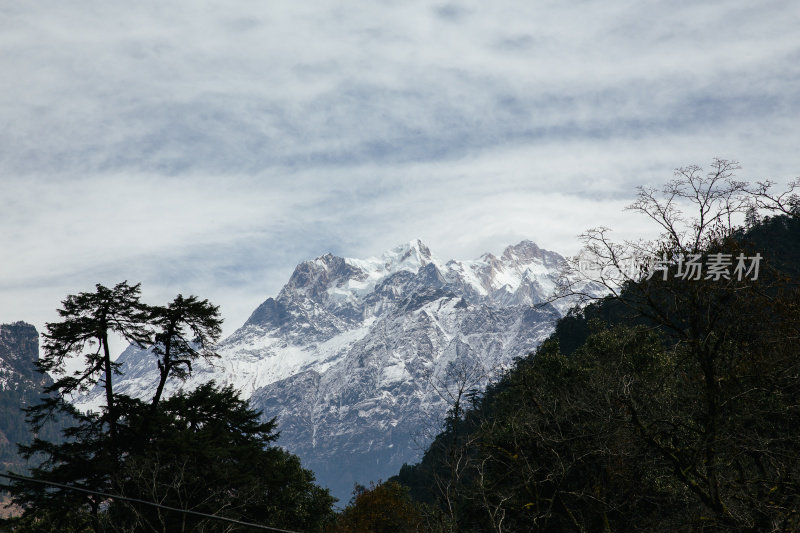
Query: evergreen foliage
(187, 329)
(204, 451)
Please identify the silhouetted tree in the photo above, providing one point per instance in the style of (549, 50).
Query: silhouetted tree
(187, 330)
(786, 202)
(208, 451)
(88, 321)
(204, 450)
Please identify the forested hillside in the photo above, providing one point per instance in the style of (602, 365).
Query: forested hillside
(671, 406)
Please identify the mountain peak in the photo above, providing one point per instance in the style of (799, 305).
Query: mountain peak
(413, 253)
(528, 251)
(523, 250)
(343, 355)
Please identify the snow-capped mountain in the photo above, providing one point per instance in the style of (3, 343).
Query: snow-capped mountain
(358, 358)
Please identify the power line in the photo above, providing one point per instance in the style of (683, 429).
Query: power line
(145, 502)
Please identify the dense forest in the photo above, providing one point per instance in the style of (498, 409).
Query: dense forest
(670, 405)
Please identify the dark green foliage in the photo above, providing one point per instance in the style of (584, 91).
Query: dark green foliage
(671, 408)
(573, 330)
(84, 459)
(778, 240)
(207, 451)
(204, 450)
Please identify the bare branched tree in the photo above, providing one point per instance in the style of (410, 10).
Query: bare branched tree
(786, 202)
(693, 210)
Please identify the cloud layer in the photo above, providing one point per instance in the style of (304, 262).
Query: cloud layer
(209, 147)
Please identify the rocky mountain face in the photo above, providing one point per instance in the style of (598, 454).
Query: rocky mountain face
(19, 351)
(359, 359)
(20, 386)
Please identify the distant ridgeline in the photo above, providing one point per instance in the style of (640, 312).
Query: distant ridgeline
(20, 386)
(670, 408)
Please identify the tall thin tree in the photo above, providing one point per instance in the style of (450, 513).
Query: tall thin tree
(187, 331)
(88, 320)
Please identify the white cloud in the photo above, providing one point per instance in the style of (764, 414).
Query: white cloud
(209, 147)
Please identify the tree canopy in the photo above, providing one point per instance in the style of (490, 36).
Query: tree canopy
(668, 406)
(203, 451)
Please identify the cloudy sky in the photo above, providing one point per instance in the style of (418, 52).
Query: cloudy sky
(208, 147)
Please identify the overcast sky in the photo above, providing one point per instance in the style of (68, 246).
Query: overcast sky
(208, 147)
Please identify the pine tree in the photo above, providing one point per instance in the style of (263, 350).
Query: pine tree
(90, 455)
(188, 328)
(208, 451)
(88, 321)
(204, 450)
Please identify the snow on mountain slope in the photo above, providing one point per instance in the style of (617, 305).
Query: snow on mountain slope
(357, 357)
